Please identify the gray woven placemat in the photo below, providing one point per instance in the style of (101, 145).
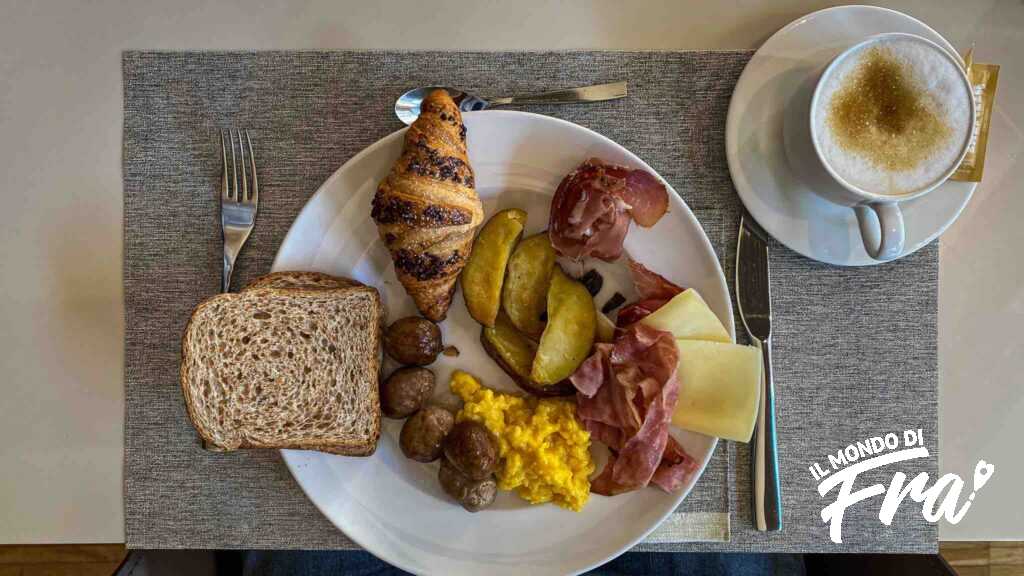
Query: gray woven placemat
(855, 348)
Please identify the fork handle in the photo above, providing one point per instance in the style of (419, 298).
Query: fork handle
(766, 493)
(229, 265)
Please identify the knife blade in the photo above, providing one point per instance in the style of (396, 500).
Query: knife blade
(753, 294)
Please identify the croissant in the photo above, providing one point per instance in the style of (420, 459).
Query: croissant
(427, 208)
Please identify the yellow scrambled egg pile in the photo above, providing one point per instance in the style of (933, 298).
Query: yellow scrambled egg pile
(545, 451)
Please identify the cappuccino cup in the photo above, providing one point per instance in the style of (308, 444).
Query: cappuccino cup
(890, 120)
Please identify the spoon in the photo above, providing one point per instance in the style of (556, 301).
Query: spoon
(407, 107)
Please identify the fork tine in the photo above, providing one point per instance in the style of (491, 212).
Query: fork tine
(234, 168)
(245, 186)
(224, 178)
(252, 164)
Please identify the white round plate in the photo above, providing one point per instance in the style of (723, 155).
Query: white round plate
(776, 186)
(394, 507)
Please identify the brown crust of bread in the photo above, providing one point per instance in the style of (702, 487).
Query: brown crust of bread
(300, 279)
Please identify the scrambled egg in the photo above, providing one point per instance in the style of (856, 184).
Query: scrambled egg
(545, 451)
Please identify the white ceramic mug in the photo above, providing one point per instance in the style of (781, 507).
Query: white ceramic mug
(878, 215)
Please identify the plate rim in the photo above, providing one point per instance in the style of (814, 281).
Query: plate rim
(731, 151)
(688, 214)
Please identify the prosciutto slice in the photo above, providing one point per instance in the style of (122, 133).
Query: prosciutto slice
(594, 204)
(651, 285)
(675, 467)
(655, 290)
(626, 393)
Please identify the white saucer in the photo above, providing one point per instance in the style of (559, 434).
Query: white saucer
(777, 192)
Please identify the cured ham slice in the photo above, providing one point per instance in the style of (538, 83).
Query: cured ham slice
(647, 197)
(626, 394)
(652, 285)
(633, 313)
(594, 204)
(655, 290)
(676, 466)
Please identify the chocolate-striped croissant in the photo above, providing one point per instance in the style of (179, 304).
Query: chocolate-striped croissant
(427, 209)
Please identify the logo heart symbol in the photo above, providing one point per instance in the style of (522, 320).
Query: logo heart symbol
(982, 471)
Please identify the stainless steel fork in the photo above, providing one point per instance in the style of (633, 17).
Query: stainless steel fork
(238, 201)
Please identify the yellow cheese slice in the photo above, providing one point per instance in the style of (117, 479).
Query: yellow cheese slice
(687, 316)
(719, 389)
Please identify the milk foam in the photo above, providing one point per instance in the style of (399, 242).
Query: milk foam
(939, 79)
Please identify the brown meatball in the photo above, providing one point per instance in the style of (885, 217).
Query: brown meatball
(423, 434)
(405, 391)
(474, 495)
(472, 449)
(413, 341)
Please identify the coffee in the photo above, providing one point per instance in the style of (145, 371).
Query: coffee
(893, 117)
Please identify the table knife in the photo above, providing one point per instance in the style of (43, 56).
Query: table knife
(753, 294)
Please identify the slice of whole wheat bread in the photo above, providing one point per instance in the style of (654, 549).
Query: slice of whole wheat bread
(285, 368)
(299, 279)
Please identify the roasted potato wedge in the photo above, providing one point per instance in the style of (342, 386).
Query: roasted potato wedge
(514, 353)
(524, 296)
(569, 335)
(605, 331)
(485, 271)
(512, 350)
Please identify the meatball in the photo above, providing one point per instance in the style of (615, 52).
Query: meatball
(405, 391)
(423, 434)
(472, 450)
(413, 341)
(474, 495)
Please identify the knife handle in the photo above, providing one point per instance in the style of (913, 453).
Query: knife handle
(766, 493)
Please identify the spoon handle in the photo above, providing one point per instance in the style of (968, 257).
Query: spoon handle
(582, 94)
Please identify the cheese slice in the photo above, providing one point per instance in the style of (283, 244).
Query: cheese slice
(719, 388)
(687, 316)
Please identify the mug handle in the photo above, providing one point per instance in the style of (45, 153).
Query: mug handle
(881, 229)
